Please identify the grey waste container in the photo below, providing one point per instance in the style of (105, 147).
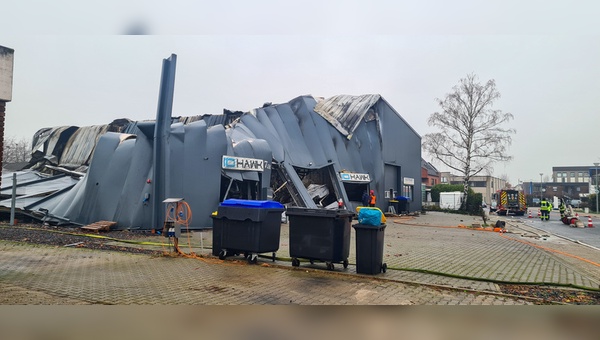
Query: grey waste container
(247, 227)
(319, 235)
(369, 249)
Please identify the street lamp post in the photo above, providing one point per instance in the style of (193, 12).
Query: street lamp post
(596, 179)
(541, 186)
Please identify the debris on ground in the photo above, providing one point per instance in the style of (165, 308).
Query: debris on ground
(567, 296)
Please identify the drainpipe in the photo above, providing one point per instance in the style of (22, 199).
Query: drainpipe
(161, 160)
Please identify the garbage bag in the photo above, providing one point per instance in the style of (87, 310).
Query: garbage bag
(369, 217)
(383, 219)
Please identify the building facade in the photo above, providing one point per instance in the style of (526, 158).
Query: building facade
(430, 176)
(484, 185)
(571, 174)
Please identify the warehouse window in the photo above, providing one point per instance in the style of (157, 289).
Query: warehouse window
(408, 192)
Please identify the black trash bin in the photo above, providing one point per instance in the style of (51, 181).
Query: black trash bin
(319, 235)
(369, 249)
(403, 205)
(247, 227)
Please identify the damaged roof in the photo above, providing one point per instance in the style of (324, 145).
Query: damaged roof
(345, 112)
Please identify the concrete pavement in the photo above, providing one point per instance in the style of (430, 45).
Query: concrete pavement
(430, 261)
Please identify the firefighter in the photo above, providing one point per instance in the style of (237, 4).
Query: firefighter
(562, 207)
(545, 209)
(372, 199)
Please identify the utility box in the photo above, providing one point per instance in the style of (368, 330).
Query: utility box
(6, 73)
(451, 200)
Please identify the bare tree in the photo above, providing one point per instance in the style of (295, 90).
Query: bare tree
(16, 150)
(473, 135)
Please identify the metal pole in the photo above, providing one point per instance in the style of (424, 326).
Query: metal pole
(596, 165)
(13, 199)
(161, 155)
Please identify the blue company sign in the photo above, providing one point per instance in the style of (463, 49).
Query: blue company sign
(245, 164)
(354, 177)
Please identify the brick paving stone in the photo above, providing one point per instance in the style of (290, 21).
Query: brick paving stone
(415, 244)
(116, 278)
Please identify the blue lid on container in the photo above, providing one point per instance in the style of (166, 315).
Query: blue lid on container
(402, 198)
(232, 202)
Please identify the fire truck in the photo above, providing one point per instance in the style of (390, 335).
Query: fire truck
(510, 202)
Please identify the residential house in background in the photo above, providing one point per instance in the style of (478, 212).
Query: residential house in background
(430, 176)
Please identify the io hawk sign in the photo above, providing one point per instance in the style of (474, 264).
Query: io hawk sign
(354, 177)
(244, 164)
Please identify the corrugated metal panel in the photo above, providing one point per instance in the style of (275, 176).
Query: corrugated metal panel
(345, 112)
(33, 186)
(51, 140)
(81, 145)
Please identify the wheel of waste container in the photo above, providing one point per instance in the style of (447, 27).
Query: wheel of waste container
(330, 266)
(383, 267)
(273, 258)
(295, 262)
(345, 263)
(311, 261)
(252, 259)
(222, 254)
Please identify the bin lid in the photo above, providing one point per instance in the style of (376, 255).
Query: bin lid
(335, 213)
(402, 198)
(368, 226)
(232, 202)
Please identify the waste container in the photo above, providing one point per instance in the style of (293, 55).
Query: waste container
(402, 205)
(369, 249)
(319, 235)
(248, 227)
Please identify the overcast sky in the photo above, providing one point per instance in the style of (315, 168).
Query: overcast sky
(74, 63)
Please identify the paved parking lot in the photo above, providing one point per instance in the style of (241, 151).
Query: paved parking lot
(430, 261)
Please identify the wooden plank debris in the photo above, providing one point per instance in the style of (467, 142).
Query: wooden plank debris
(99, 226)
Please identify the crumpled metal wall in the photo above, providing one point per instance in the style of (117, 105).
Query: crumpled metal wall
(116, 187)
(292, 135)
(300, 137)
(70, 147)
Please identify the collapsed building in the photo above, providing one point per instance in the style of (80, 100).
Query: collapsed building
(308, 152)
